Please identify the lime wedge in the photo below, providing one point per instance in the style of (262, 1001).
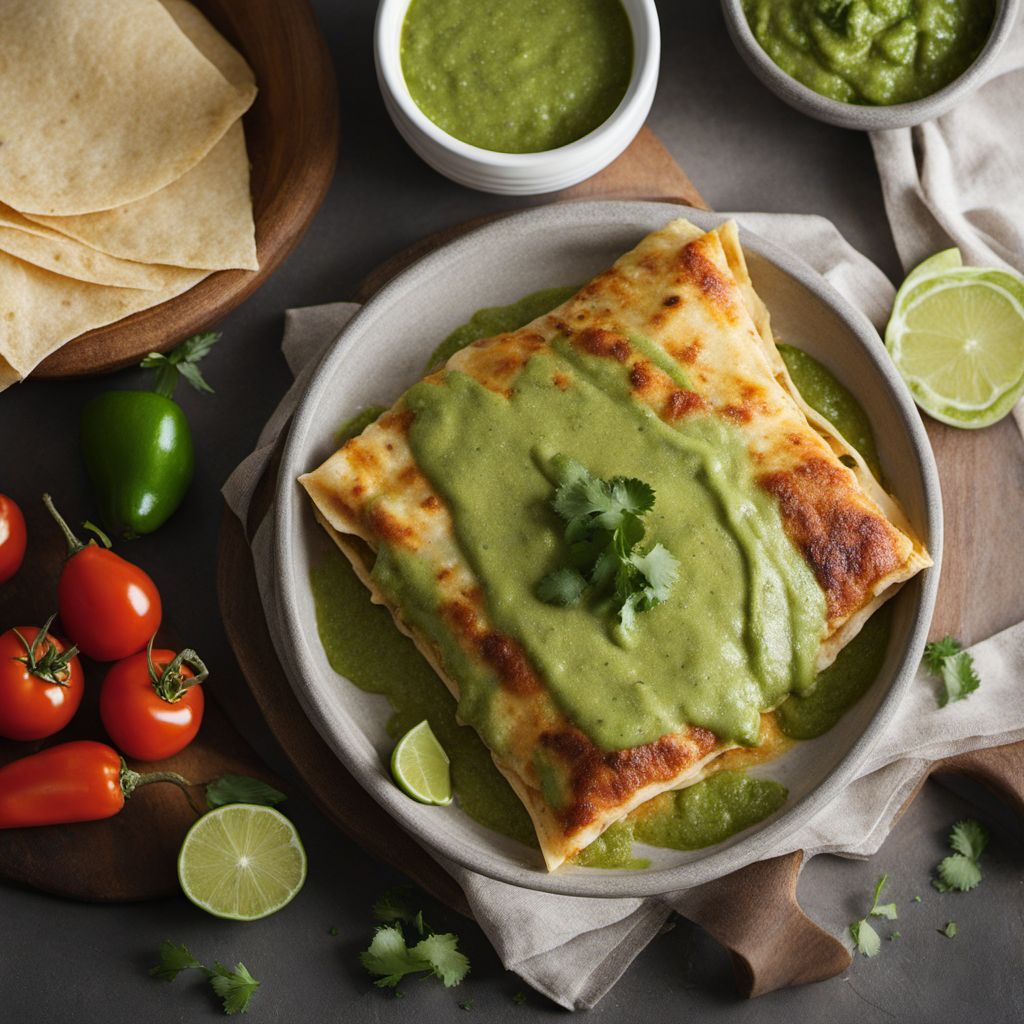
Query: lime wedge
(420, 766)
(242, 862)
(957, 337)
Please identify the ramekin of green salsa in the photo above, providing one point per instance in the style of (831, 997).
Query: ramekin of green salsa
(870, 64)
(518, 97)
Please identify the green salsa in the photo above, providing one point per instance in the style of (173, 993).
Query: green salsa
(872, 51)
(517, 76)
(363, 644)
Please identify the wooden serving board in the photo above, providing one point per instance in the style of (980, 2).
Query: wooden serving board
(291, 133)
(753, 912)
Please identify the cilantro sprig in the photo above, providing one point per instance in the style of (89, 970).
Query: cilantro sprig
(865, 937)
(959, 872)
(603, 530)
(389, 956)
(235, 988)
(949, 662)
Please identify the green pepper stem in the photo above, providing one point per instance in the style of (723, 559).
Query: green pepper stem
(131, 780)
(74, 544)
(170, 684)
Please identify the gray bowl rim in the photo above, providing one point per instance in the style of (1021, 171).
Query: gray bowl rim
(294, 633)
(864, 117)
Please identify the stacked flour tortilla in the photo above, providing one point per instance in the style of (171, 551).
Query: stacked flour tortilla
(124, 178)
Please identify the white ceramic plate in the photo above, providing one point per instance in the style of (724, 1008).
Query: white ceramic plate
(383, 350)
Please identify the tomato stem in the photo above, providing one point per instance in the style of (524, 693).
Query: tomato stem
(74, 544)
(131, 780)
(171, 683)
(52, 666)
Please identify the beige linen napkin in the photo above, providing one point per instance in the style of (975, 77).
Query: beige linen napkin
(574, 949)
(957, 180)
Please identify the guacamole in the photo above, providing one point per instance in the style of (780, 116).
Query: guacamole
(872, 51)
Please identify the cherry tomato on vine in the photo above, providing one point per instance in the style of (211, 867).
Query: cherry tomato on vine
(152, 704)
(12, 538)
(108, 607)
(41, 683)
(79, 781)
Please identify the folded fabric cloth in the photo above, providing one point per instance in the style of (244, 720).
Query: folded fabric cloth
(956, 180)
(573, 949)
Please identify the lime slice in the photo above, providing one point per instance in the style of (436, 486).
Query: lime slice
(242, 862)
(420, 766)
(957, 337)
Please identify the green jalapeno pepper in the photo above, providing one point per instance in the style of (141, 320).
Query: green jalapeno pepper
(137, 445)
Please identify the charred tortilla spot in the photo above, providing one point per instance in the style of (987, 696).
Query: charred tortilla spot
(600, 779)
(670, 300)
(681, 402)
(702, 272)
(389, 527)
(561, 381)
(848, 547)
(640, 376)
(507, 658)
(430, 503)
(603, 343)
(738, 413)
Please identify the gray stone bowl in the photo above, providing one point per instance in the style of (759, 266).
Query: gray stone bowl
(859, 116)
(384, 350)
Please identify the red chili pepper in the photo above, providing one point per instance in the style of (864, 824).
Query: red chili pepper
(12, 538)
(79, 781)
(108, 607)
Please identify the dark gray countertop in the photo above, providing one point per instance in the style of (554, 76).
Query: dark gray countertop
(61, 961)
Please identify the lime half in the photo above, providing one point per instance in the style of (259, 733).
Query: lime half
(957, 337)
(242, 862)
(420, 766)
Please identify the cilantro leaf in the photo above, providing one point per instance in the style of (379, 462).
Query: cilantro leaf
(959, 678)
(391, 959)
(236, 988)
(950, 930)
(240, 789)
(969, 837)
(174, 959)
(886, 910)
(958, 873)
(181, 360)
(441, 952)
(563, 587)
(936, 652)
(865, 938)
(603, 529)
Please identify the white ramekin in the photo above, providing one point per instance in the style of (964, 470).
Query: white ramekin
(517, 174)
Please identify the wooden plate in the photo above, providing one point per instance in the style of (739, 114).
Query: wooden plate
(291, 132)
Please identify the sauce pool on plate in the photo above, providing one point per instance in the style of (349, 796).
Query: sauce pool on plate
(517, 76)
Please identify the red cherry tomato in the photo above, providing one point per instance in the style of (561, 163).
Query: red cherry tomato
(109, 607)
(41, 683)
(12, 538)
(152, 704)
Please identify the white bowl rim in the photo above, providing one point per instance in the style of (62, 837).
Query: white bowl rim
(717, 862)
(868, 117)
(643, 19)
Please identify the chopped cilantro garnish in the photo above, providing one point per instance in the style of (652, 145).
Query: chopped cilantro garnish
(948, 661)
(603, 529)
(864, 936)
(950, 930)
(959, 871)
(391, 959)
(519, 998)
(235, 988)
